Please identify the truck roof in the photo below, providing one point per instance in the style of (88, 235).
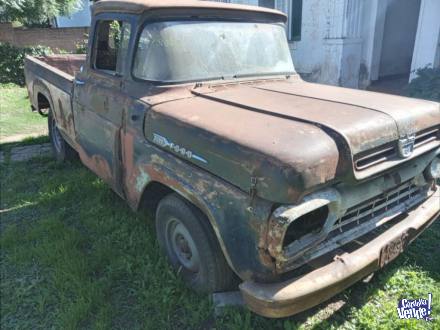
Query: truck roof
(140, 6)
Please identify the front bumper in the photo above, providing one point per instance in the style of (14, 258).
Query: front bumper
(296, 295)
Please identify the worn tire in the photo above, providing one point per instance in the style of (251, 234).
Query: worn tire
(61, 149)
(213, 273)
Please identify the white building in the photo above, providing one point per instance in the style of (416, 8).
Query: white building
(354, 42)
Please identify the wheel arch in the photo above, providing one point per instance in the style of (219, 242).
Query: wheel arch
(152, 194)
(41, 95)
(158, 189)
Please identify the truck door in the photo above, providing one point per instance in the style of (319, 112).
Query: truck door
(99, 101)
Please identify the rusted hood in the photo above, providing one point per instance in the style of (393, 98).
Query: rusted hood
(363, 119)
(282, 138)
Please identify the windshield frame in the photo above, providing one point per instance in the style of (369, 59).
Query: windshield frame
(259, 76)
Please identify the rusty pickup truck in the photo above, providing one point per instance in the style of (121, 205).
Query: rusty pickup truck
(292, 190)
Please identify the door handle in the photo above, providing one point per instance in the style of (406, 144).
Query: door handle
(79, 82)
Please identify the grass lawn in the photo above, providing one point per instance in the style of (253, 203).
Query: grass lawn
(74, 255)
(16, 119)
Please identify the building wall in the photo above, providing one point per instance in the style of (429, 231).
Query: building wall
(55, 38)
(330, 47)
(427, 46)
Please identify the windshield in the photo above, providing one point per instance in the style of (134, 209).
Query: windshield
(199, 50)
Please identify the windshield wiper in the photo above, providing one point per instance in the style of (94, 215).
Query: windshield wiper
(245, 75)
(200, 82)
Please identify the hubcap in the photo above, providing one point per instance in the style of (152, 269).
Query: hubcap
(182, 245)
(56, 136)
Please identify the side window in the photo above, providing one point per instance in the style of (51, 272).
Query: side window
(111, 45)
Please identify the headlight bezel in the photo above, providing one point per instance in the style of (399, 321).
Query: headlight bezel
(432, 171)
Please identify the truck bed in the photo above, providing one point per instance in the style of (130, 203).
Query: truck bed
(49, 79)
(67, 63)
(58, 70)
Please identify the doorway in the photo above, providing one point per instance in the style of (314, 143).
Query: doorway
(399, 34)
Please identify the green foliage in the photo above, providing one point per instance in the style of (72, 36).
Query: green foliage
(81, 47)
(426, 85)
(12, 61)
(36, 12)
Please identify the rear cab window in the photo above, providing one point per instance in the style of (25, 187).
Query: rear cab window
(111, 46)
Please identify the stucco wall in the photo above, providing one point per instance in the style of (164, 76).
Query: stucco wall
(427, 46)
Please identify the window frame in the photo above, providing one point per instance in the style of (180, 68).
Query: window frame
(124, 18)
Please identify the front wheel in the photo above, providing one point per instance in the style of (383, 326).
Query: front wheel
(61, 149)
(186, 238)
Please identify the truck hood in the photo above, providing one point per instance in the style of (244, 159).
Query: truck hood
(282, 139)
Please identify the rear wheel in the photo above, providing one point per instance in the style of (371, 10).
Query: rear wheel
(61, 149)
(186, 238)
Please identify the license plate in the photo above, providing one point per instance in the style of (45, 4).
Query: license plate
(392, 249)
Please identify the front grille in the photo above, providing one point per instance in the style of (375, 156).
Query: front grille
(389, 151)
(427, 136)
(378, 205)
(378, 156)
(366, 217)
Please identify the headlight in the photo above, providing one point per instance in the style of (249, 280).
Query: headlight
(298, 227)
(433, 169)
(311, 222)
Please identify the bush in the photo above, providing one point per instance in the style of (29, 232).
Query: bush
(426, 85)
(81, 47)
(12, 61)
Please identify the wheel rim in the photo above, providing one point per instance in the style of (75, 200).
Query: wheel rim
(56, 136)
(182, 245)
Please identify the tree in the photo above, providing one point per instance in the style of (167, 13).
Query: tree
(36, 12)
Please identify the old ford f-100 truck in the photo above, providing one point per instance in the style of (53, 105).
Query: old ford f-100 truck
(194, 109)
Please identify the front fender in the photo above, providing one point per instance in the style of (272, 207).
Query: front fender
(240, 226)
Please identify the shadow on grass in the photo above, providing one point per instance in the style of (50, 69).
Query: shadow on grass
(7, 146)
